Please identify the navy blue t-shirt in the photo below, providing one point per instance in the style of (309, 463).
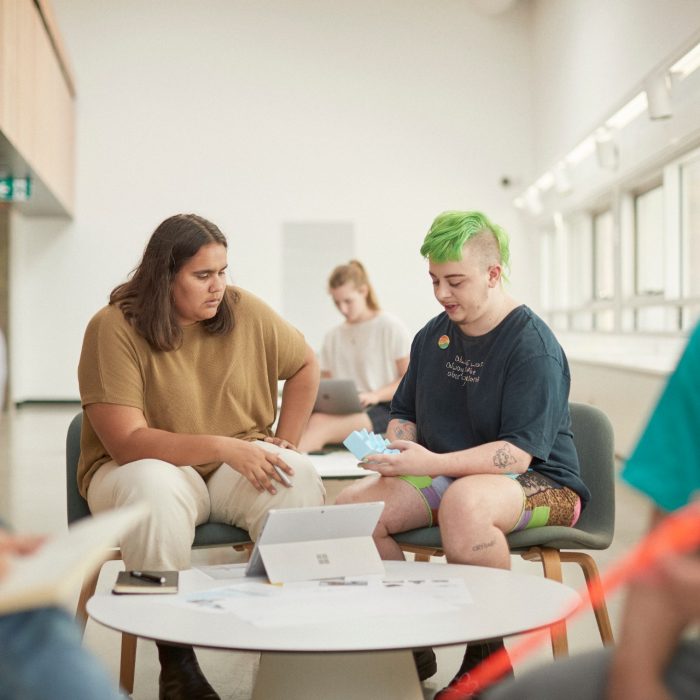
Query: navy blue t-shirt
(510, 384)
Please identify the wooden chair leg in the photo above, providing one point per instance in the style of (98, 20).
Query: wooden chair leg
(127, 665)
(551, 564)
(247, 548)
(87, 590)
(600, 609)
(421, 553)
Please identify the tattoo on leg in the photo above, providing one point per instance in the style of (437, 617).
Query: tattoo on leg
(503, 458)
(405, 430)
(483, 545)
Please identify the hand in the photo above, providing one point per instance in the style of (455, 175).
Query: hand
(678, 577)
(368, 398)
(257, 465)
(16, 545)
(281, 442)
(413, 459)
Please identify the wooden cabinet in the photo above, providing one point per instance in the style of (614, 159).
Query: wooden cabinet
(37, 112)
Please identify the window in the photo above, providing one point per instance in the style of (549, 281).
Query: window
(630, 263)
(649, 242)
(580, 275)
(690, 225)
(604, 251)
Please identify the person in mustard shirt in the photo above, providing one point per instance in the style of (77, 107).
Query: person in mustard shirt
(178, 381)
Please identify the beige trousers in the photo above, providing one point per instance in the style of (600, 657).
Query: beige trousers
(180, 500)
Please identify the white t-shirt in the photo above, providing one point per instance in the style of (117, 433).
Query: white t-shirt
(366, 352)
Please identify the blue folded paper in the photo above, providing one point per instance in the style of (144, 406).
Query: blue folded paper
(362, 443)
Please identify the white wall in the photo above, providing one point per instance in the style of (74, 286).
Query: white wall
(257, 114)
(591, 55)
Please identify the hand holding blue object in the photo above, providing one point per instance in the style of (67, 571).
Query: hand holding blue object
(362, 443)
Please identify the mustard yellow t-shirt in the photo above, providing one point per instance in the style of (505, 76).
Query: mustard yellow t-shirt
(212, 384)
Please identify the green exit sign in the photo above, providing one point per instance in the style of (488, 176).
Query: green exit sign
(15, 189)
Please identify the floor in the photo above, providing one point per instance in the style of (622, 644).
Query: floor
(32, 497)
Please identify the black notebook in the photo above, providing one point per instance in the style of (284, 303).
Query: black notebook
(146, 582)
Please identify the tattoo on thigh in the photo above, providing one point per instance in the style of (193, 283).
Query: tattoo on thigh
(503, 458)
(405, 430)
(483, 545)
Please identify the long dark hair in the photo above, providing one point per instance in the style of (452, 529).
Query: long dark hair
(146, 298)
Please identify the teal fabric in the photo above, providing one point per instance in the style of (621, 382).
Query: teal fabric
(665, 465)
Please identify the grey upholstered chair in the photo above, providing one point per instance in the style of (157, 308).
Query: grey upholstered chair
(206, 535)
(594, 440)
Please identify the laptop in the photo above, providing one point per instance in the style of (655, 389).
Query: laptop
(302, 544)
(337, 396)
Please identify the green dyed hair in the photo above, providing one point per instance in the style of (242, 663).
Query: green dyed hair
(452, 229)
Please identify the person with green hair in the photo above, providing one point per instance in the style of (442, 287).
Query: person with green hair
(481, 418)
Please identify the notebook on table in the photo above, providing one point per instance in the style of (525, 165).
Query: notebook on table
(148, 582)
(302, 544)
(337, 396)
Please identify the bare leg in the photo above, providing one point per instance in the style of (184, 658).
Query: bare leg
(404, 509)
(324, 429)
(474, 513)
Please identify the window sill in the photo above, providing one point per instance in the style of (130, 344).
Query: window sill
(650, 354)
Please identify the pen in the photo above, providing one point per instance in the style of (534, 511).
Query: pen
(282, 475)
(148, 577)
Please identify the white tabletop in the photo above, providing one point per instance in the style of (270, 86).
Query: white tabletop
(502, 603)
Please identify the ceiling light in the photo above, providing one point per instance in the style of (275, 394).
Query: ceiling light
(687, 64)
(533, 202)
(606, 149)
(658, 93)
(628, 112)
(545, 182)
(582, 151)
(562, 178)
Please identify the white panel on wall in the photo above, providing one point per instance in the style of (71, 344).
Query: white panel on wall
(310, 251)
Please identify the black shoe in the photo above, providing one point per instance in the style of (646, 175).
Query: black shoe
(426, 663)
(473, 656)
(180, 676)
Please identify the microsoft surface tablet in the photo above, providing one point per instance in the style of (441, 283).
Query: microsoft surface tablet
(312, 524)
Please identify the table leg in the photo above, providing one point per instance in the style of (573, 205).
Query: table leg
(366, 675)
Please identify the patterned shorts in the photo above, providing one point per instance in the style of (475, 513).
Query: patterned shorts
(545, 502)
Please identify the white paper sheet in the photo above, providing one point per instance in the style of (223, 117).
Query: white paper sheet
(338, 464)
(333, 600)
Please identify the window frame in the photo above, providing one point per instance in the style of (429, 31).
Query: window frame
(677, 309)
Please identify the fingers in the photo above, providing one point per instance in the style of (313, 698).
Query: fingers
(281, 471)
(401, 445)
(382, 464)
(265, 470)
(281, 442)
(381, 458)
(274, 470)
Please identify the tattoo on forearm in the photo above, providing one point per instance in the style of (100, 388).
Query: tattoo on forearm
(405, 430)
(483, 545)
(503, 458)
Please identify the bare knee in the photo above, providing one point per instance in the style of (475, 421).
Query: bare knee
(356, 493)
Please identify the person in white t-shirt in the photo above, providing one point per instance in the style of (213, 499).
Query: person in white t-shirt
(371, 347)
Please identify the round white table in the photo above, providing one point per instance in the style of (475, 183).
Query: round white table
(363, 656)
